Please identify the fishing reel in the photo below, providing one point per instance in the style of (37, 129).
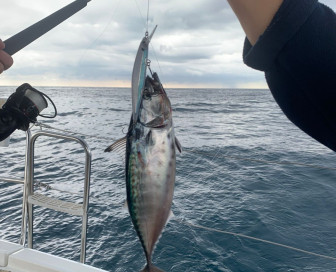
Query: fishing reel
(21, 109)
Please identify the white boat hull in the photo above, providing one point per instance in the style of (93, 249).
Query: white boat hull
(16, 258)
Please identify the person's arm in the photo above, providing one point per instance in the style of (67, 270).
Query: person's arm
(255, 15)
(6, 60)
(294, 43)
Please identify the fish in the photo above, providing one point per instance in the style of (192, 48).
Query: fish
(150, 160)
(150, 166)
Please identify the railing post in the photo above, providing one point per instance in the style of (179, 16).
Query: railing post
(25, 188)
(85, 201)
(30, 184)
(28, 190)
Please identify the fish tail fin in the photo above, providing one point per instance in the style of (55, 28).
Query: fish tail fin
(151, 268)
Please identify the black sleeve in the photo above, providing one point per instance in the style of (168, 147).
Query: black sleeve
(7, 124)
(297, 52)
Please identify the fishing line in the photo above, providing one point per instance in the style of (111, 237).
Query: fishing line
(254, 238)
(143, 18)
(48, 187)
(192, 150)
(42, 125)
(157, 60)
(147, 27)
(147, 14)
(101, 34)
(199, 159)
(262, 161)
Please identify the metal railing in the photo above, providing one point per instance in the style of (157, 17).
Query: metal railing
(11, 180)
(30, 198)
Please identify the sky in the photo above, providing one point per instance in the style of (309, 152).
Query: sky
(198, 44)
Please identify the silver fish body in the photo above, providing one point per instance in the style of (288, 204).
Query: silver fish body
(150, 155)
(150, 166)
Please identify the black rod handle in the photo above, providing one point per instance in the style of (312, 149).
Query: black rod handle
(33, 32)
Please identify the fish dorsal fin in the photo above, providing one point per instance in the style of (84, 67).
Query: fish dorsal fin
(117, 146)
(178, 145)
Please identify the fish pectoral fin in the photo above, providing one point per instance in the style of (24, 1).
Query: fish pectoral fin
(152, 268)
(178, 145)
(119, 145)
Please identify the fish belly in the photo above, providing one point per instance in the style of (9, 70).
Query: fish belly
(151, 186)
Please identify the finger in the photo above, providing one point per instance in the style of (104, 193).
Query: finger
(2, 44)
(2, 68)
(6, 59)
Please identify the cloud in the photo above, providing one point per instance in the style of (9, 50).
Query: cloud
(196, 44)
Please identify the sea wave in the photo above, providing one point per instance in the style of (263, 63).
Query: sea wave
(244, 169)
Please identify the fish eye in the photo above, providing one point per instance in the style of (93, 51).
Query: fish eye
(147, 94)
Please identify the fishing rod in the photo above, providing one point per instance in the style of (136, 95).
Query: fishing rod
(26, 103)
(33, 32)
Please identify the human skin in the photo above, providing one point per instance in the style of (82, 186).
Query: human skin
(6, 60)
(254, 15)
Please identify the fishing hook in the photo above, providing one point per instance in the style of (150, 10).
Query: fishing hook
(148, 62)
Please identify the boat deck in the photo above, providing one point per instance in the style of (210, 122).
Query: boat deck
(16, 258)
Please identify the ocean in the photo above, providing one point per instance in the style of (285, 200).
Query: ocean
(244, 169)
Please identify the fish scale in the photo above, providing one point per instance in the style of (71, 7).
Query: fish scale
(134, 189)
